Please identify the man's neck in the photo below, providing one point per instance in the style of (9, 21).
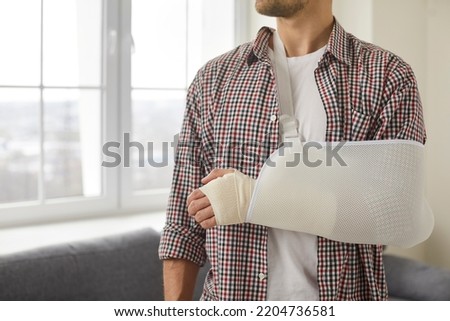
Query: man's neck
(307, 31)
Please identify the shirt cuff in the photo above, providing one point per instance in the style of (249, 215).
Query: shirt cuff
(180, 242)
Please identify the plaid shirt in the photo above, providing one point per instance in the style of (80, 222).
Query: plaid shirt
(231, 121)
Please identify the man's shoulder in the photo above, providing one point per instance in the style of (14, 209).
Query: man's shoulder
(375, 59)
(224, 63)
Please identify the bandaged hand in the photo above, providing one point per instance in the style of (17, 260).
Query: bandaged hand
(199, 206)
(223, 200)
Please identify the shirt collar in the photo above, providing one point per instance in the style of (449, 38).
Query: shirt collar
(338, 45)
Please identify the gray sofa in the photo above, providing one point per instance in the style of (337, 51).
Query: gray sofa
(126, 267)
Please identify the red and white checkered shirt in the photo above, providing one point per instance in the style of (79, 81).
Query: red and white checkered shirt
(231, 121)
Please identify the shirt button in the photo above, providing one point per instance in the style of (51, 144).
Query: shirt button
(262, 276)
(273, 117)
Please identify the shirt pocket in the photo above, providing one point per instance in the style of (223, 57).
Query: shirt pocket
(361, 125)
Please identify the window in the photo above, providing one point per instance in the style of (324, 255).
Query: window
(81, 73)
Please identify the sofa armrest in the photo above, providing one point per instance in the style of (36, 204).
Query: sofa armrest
(412, 280)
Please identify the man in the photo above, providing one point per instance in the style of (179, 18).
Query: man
(343, 89)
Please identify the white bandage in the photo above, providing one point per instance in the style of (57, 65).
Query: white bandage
(230, 197)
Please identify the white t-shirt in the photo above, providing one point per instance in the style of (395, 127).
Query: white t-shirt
(292, 256)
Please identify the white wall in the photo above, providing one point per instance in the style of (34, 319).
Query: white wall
(416, 30)
(437, 119)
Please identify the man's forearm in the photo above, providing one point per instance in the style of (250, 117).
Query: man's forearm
(179, 279)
